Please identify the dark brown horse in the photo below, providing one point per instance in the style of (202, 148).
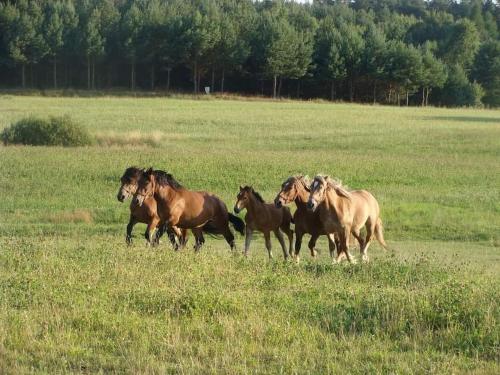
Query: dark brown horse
(296, 189)
(181, 208)
(147, 213)
(264, 217)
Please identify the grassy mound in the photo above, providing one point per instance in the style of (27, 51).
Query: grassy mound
(55, 131)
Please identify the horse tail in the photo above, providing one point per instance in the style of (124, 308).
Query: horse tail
(238, 224)
(379, 233)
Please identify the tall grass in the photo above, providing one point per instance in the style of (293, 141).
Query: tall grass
(74, 298)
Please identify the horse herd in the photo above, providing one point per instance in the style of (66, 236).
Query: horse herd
(324, 207)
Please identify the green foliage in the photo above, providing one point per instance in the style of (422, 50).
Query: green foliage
(458, 91)
(56, 131)
(342, 44)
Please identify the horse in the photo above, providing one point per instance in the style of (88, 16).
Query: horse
(346, 212)
(296, 188)
(264, 217)
(147, 213)
(181, 208)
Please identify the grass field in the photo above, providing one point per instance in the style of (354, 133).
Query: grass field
(74, 298)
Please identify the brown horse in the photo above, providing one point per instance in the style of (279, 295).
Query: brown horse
(296, 188)
(147, 213)
(346, 212)
(265, 218)
(181, 208)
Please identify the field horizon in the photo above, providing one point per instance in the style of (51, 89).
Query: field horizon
(75, 298)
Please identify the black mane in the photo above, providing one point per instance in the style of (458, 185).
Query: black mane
(164, 178)
(132, 173)
(257, 195)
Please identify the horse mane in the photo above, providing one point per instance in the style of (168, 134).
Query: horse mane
(256, 194)
(304, 181)
(132, 173)
(338, 187)
(166, 179)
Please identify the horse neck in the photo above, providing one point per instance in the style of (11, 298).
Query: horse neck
(302, 196)
(254, 205)
(164, 193)
(337, 202)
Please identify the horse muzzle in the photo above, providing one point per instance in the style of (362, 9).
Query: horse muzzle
(120, 197)
(311, 205)
(236, 210)
(278, 203)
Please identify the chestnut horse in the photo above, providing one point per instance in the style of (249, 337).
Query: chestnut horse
(178, 207)
(296, 188)
(147, 213)
(346, 212)
(264, 217)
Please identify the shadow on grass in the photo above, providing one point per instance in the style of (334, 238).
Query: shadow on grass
(465, 119)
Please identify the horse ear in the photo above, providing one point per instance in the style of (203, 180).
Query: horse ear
(241, 188)
(149, 171)
(326, 177)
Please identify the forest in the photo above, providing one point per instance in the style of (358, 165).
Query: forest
(401, 52)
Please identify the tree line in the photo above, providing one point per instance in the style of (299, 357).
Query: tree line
(411, 52)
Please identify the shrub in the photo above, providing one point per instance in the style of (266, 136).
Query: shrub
(55, 131)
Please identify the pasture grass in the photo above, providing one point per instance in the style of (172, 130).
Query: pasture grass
(74, 298)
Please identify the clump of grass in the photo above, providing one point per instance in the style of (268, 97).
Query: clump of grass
(134, 138)
(54, 131)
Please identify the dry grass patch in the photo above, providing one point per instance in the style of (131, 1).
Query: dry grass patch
(134, 138)
(74, 216)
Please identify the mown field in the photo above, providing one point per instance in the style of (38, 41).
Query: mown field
(75, 298)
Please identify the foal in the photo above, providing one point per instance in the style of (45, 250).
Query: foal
(264, 217)
(296, 188)
(346, 212)
(147, 213)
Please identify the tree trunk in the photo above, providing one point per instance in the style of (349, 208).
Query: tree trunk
(274, 86)
(199, 80)
(427, 96)
(222, 80)
(55, 72)
(423, 96)
(152, 76)
(195, 77)
(132, 76)
(168, 78)
(88, 72)
(332, 90)
(23, 75)
(93, 73)
(279, 87)
(407, 98)
(374, 92)
(212, 84)
(298, 89)
(399, 99)
(31, 75)
(351, 90)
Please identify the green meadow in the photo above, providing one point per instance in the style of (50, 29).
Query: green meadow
(75, 298)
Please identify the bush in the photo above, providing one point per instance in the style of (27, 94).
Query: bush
(55, 131)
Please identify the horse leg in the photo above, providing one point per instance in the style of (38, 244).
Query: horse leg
(312, 245)
(130, 226)
(229, 236)
(370, 229)
(332, 247)
(346, 237)
(289, 233)
(298, 244)
(267, 237)
(150, 230)
(357, 235)
(199, 239)
(279, 236)
(248, 239)
(183, 239)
